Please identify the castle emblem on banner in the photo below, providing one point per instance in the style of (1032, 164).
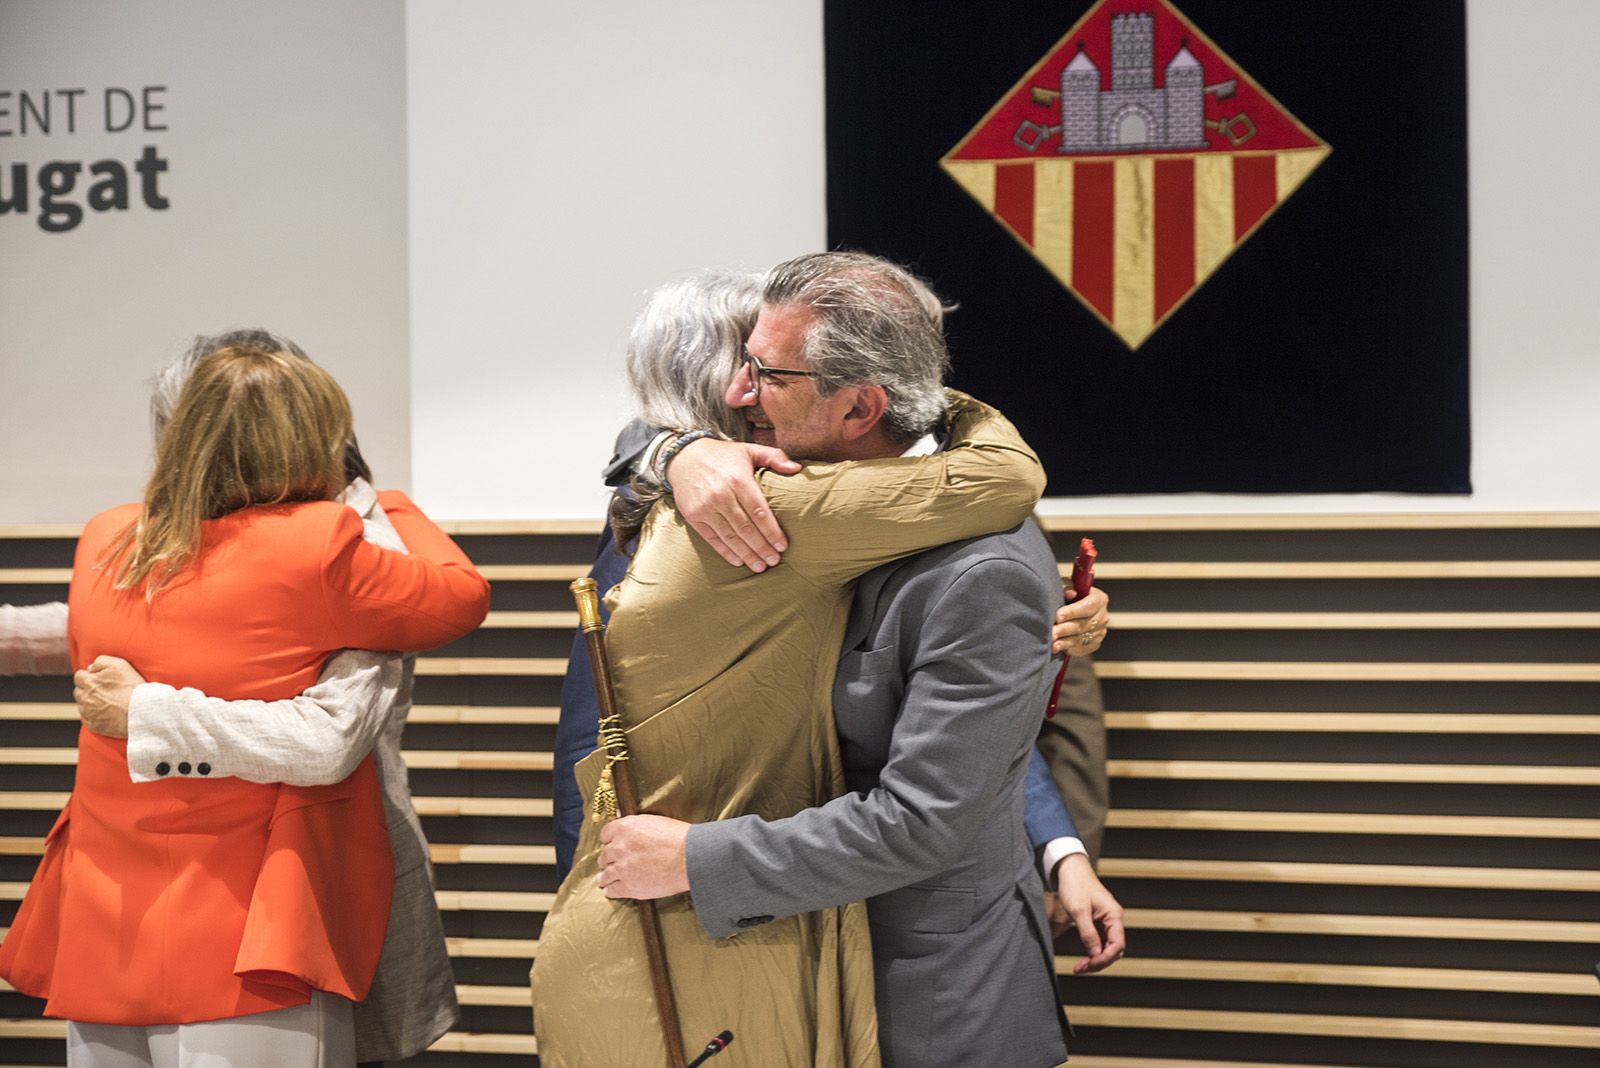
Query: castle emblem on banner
(1130, 188)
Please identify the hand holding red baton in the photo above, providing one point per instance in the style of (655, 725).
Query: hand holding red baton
(1082, 583)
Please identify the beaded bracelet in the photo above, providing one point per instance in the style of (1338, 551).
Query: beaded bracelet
(671, 449)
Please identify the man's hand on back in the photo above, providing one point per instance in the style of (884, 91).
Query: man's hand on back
(1080, 901)
(103, 690)
(714, 485)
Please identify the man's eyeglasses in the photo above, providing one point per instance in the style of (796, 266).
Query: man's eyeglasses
(759, 370)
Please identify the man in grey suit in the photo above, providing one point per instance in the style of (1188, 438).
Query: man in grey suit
(938, 699)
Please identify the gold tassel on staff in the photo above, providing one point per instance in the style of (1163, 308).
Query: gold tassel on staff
(618, 796)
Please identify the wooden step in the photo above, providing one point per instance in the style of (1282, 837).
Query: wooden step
(1485, 621)
(1343, 671)
(480, 853)
(1331, 771)
(1358, 722)
(1355, 823)
(1365, 926)
(1578, 984)
(1390, 1027)
(1285, 871)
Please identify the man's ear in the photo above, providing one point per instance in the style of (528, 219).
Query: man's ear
(866, 411)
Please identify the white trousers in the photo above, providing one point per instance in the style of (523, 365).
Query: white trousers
(320, 1034)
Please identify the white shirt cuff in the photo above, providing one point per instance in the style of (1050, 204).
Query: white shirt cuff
(1055, 851)
(151, 702)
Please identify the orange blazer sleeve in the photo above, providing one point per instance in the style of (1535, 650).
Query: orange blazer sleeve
(384, 600)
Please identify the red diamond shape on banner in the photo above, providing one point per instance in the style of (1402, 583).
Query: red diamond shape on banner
(1132, 160)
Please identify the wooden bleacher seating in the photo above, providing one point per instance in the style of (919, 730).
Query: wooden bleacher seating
(1353, 766)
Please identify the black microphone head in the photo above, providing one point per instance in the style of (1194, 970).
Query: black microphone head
(714, 1047)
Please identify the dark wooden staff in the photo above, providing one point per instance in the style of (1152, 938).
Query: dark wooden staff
(587, 595)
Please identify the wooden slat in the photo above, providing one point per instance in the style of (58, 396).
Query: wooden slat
(1110, 570)
(21, 846)
(1090, 524)
(1089, 1061)
(33, 801)
(12, 891)
(1488, 621)
(1072, 523)
(1580, 984)
(537, 807)
(462, 760)
(501, 996)
(537, 715)
(1357, 722)
(514, 527)
(476, 760)
(1367, 1027)
(14, 1028)
(481, 853)
(35, 576)
(33, 756)
(52, 711)
(548, 666)
(1345, 569)
(533, 572)
(1365, 926)
(474, 1042)
(495, 948)
(540, 620)
(1318, 771)
(489, 901)
(40, 530)
(527, 715)
(1355, 823)
(1287, 871)
(1344, 671)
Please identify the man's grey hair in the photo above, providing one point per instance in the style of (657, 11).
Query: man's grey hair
(876, 324)
(168, 382)
(685, 348)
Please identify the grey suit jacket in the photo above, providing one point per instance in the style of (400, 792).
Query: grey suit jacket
(944, 678)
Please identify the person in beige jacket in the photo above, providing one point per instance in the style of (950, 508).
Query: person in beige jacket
(724, 679)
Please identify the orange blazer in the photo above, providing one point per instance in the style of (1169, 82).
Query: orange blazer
(193, 898)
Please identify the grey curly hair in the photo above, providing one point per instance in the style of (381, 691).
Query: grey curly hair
(684, 349)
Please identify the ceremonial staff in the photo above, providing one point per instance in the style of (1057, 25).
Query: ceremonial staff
(614, 742)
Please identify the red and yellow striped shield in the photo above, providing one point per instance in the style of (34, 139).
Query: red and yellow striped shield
(1132, 160)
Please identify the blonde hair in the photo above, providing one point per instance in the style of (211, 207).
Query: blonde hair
(253, 426)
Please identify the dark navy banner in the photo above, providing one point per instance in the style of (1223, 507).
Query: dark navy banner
(1198, 245)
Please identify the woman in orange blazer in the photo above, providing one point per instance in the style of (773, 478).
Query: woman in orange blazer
(163, 908)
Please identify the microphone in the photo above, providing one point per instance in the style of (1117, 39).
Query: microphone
(714, 1047)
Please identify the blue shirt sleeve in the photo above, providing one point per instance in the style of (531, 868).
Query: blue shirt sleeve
(579, 724)
(1045, 814)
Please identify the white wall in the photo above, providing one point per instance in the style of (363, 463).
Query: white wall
(632, 142)
(286, 184)
(566, 158)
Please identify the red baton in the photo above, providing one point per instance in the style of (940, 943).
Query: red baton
(1082, 583)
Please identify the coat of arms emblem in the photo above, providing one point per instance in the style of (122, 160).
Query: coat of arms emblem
(1132, 160)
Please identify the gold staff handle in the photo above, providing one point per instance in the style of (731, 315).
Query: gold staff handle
(587, 595)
